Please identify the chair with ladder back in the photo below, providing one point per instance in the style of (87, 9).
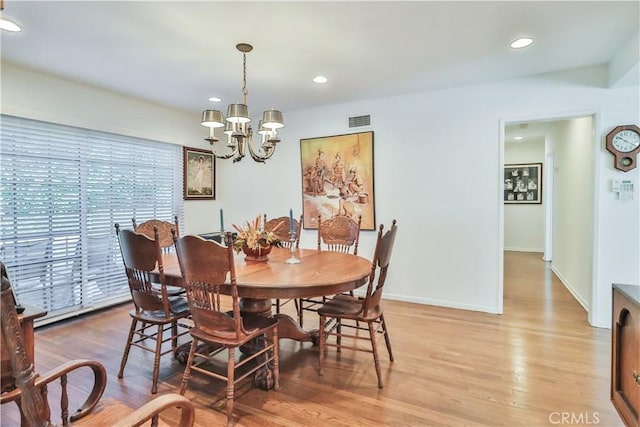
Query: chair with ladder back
(345, 311)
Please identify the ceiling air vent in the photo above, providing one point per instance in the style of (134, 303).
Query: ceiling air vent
(359, 121)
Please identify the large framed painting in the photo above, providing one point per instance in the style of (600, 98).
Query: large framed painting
(199, 174)
(523, 183)
(337, 178)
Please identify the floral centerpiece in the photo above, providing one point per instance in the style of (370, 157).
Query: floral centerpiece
(254, 241)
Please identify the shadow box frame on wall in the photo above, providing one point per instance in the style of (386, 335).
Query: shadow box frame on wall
(523, 183)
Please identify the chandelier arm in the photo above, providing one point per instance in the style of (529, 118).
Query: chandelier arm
(224, 156)
(259, 157)
(255, 155)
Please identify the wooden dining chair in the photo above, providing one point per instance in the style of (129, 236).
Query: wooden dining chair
(164, 231)
(153, 306)
(29, 389)
(205, 265)
(343, 309)
(282, 226)
(338, 234)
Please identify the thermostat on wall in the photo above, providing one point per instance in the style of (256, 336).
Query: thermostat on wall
(624, 188)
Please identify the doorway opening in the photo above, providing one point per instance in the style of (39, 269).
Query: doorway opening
(561, 227)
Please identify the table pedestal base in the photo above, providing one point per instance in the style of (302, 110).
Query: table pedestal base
(287, 328)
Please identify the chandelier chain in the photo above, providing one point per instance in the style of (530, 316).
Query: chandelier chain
(245, 92)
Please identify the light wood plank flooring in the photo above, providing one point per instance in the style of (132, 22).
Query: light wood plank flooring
(529, 367)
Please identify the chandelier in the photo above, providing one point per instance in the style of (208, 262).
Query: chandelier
(237, 124)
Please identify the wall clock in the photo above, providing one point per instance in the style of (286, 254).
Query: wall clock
(624, 143)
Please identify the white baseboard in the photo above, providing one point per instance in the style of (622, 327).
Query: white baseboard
(571, 289)
(524, 249)
(442, 303)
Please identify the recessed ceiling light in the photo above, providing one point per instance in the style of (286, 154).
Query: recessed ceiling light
(521, 42)
(517, 138)
(320, 79)
(215, 99)
(7, 25)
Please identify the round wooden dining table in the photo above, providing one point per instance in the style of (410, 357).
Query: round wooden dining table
(319, 273)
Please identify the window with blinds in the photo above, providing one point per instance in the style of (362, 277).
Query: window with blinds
(62, 190)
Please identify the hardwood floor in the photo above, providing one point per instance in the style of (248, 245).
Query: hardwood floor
(538, 364)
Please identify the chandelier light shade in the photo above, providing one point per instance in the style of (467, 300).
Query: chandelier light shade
(238, 113)
(5, 23)
(272, 119)
(212, 119)
(237, 126)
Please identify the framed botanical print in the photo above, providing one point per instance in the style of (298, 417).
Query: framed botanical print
(523, 183)
(337, 178)
(199, 174)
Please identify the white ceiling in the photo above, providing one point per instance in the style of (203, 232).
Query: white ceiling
(180, 53)
(531, 132)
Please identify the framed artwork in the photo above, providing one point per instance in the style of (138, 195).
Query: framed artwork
(337, 178)
(523, 183)
(199, 174)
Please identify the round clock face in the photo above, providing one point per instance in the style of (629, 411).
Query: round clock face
(626, 141)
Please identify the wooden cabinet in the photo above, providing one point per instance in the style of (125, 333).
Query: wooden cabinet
(625, 352)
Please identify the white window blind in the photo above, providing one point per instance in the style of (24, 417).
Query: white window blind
(62, 190)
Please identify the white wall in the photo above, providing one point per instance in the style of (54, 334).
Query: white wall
(524, 224)
(30, 94)
(438, 167)
(573, 201)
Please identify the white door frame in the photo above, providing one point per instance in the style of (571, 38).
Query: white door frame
(548, 209)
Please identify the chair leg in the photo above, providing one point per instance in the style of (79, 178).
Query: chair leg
(276, 360)
(156, 359)
(277, 306)
(187, 368)
(300, 311)
(386, 336)
(127, 347)
(143, 327)
(357, 322)
(174, 337)
(297, 304)
(374, 348)
(321, 345)
(339, 335)
(230, 379)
